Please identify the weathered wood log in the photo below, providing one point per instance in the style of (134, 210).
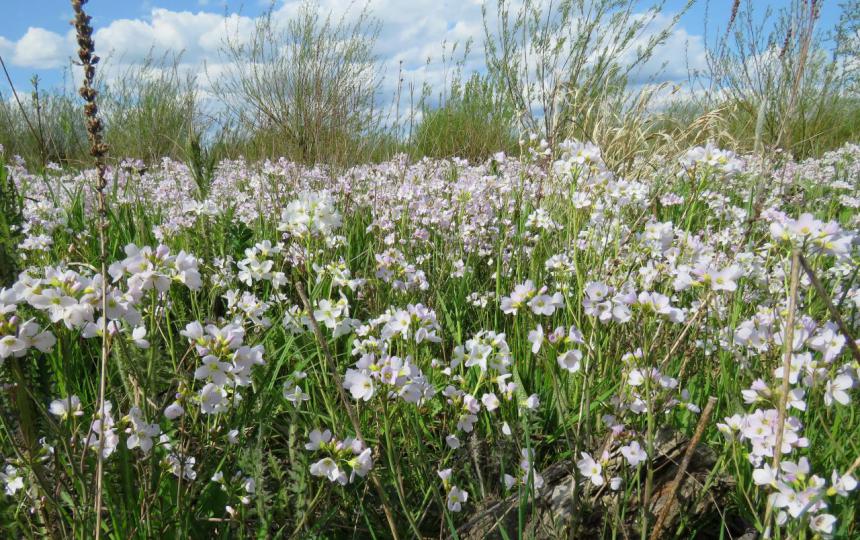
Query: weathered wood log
(699, 503)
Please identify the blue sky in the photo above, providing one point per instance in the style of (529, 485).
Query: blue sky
(35, 34)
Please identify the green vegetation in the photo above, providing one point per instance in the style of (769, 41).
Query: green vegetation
(374, 337)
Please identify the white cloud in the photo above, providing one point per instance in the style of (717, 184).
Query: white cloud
(42, 49)
(6, 48)
(197, 36)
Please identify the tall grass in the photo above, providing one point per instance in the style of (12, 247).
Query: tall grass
(771, 73)
(308, 88)
(42, 126)
(472, 121)
(151, 111)
(563, 64)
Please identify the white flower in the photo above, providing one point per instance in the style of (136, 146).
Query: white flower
(842, 485)
(726, 279)
(182, 466)
(536, 339)
(361, 464)
(193, 331)
(328, 468)
(138, 336)
(837, 390)
(490, 401)
(102, 433)
(398, 325)
(532, 402)
(359, 384)
(452, 441)
(445, 475)
(174, 411)
(185, 267)
(213, 370)
(466, 422)
(635, 377)
(327, 313)
(828, 342)
(765, 476)
(823, 523)
(233, 436)
(140, 432)
(317, 439)
(43, 341)
(456, 497)
(65, 408)
(634, 453)
(11, 480)
(659, 303)
(213, 399)
(295, 395)
(11, 345)
(250, 487)
(522, 293)
(570, 360)
(590, 469)
(543, 304)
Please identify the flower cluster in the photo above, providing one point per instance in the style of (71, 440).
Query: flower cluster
(147, 268)
(18, 336)
(225, 366)
(489, 318)
(710, 156)
(380, 365)
(312, 214)
(341, 457)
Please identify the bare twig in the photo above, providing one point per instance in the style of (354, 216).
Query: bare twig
(682, 470)
(703, 307)
(36, 135)
(353, 417)
(834, 313)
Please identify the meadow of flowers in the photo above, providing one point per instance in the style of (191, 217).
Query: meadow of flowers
(397, 349)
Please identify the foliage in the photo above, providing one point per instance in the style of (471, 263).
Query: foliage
(486, 321)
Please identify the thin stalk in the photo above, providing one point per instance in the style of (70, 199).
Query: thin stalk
(24, 113)
(353, 417)
(788, 346)
(819, 288)
(98, 150)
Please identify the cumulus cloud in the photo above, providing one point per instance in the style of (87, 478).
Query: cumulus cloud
(39, 48)
(6, 47)
(198, 36)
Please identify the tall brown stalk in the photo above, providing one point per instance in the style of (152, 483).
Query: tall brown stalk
(98, 149)
(788, 351)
